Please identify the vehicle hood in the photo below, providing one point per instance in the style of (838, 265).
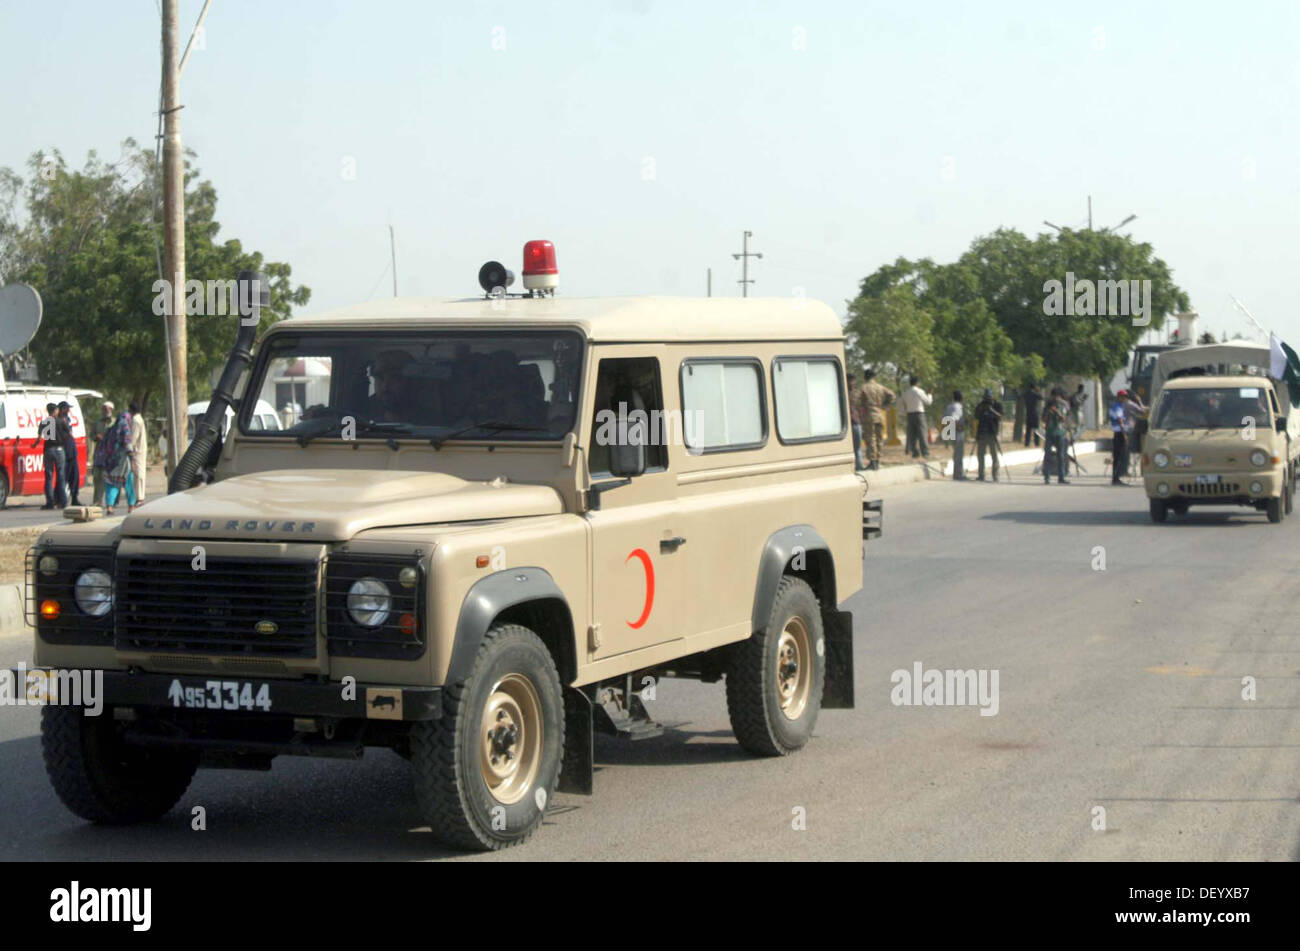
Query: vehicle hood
(332, 504)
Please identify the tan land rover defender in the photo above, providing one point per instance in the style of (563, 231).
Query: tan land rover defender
(1221, 433)
(487, 527)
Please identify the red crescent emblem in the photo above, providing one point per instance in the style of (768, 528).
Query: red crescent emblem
(649, 586)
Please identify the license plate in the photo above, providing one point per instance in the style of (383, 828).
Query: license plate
(1207, 480)
(220, 695)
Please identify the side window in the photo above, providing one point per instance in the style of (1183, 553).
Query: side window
(722, 404)
(627, 387)
(3, 419)
(808, 393)
(1272, 398)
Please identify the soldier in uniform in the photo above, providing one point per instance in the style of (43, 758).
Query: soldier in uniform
(871, 399)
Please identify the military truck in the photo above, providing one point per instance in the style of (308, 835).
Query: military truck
(496, 524)
(1222, 432)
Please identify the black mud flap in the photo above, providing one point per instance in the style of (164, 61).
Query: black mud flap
(578, 764)
(838, 693)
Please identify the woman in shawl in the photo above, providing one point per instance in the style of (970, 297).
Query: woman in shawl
(117, 464)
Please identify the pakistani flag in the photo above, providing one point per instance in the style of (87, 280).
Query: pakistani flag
(1283, 364)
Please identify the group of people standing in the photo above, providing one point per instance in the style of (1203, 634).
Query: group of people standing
(118, 457)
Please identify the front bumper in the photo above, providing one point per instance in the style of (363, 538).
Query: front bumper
(297, 698)
(1232, 487)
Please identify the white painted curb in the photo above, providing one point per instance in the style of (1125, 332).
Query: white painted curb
(13, 623)
(926, 471)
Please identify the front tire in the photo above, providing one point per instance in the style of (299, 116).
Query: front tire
(1274, 509)
(775, 678)
(1159, 510)
(485, 771)
(101, 778)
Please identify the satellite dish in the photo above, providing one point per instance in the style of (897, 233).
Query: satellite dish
(20, 316)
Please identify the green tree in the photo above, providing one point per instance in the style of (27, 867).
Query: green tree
(1012, 274)
(89, 241)
(892, 332)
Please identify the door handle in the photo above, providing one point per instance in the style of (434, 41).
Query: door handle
(669, 545)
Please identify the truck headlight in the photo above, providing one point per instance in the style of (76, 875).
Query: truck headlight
(1259, 458)
(1161, 459)
(369, 602)
(1257, 488)
(1162, 488)
(93, 592)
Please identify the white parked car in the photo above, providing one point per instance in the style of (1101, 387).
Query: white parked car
(264, 417)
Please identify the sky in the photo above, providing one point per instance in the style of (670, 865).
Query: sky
(643, 136)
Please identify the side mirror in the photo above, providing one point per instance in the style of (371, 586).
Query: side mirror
(1279, 423)
(627, 459)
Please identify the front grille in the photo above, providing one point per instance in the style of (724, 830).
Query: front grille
(165, 604)
(1204, 491)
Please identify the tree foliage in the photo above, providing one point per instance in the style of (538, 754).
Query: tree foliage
(983, 318)
(89, 241)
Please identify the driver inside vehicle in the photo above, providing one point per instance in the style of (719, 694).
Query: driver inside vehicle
(390, 402)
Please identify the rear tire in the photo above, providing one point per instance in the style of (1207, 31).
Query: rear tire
(775, 678)
(101, 778)
(1288, 491)
(485, 771)
(4, 488)
(1159, 510)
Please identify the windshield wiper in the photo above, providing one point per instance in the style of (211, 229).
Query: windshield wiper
(488, 426)
(334, 427)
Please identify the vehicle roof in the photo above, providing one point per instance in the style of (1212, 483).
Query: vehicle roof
(614, 319)
(1194, 382)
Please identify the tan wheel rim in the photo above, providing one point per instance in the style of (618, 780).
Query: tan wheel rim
(511, 735)
(794, 667)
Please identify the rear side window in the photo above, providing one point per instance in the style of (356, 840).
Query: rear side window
(722, 402)
(809, 396)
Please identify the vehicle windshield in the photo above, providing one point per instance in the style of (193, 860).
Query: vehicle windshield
(517, 385)
(1219, 407)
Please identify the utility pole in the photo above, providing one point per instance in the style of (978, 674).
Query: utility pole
(174, 234)
(392, 246)
(709, 283)
(1089, 212)
(744, 256)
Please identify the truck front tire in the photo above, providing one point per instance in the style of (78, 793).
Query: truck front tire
(101, 778)
(1275, 506)
(485, 771)
(775, 678)
(1159, 510)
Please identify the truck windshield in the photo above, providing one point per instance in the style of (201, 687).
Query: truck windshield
(1227, 407)
(436, 384)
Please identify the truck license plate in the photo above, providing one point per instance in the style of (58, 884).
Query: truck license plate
(1207, 480)
(220, 695)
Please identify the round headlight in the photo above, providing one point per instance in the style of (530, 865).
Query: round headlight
(93, 592)
(1258, 458)
(369, 602)
(1162, 488)
(1161, 459)
(1257, 488)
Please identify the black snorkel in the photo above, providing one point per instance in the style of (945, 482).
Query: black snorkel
(254, 294)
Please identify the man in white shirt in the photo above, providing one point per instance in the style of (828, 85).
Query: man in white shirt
(914, 400)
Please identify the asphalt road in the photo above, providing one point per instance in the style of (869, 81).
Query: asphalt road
(1119, 688)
